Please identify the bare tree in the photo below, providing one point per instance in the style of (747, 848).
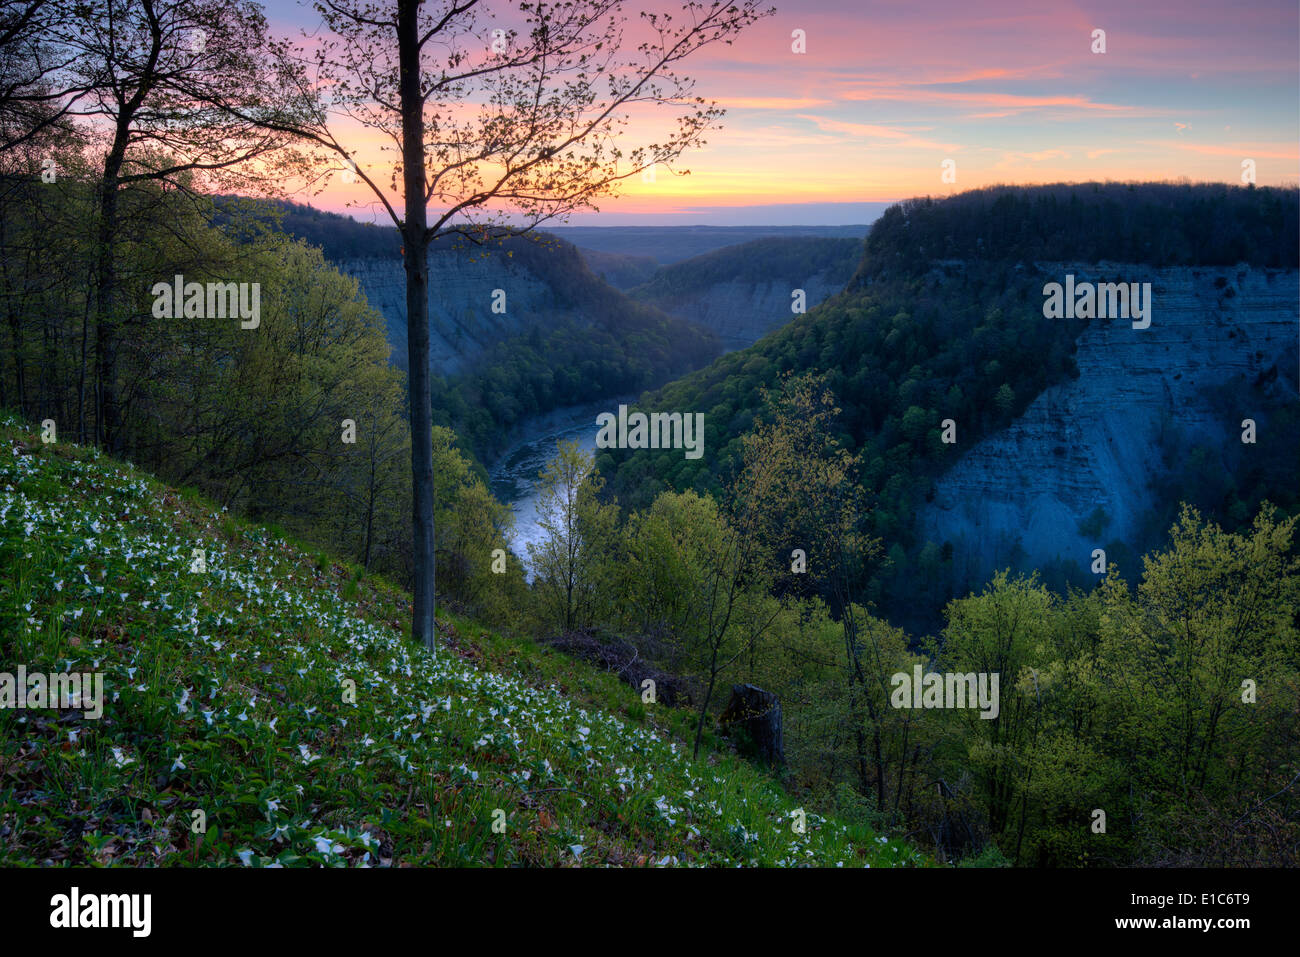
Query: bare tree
(499, 126)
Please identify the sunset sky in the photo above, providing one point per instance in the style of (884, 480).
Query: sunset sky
(1009, 91)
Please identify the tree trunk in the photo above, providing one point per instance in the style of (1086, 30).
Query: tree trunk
(81, 375)
(704, 706)
(370, 507)
(107, 425)
(15, 332)
(415, 254)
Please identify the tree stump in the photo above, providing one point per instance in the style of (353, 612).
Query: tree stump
(752, 719)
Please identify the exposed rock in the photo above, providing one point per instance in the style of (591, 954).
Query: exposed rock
(756, 715)
(1094, 443)
(741, 313)
(461, 321)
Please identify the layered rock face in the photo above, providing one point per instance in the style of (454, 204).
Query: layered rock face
(1094, 443)
(740, 313)
(461, 321)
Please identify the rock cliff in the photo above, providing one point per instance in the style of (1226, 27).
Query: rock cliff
(743, 292)
(740, 313)
(1034, 488)
(461, 321)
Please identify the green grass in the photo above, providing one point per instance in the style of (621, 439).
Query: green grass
(228, 693)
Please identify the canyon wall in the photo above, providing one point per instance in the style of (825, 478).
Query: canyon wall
(741, 312)
(1094, 443)
(461, 320)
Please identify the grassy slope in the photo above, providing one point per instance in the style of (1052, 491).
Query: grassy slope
(225, 692)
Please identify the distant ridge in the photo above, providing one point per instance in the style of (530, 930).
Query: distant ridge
(673, 244)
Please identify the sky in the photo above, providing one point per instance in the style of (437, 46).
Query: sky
(888, 96)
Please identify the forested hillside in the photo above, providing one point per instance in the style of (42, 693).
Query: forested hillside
(784, 259)
(521, 325)
(299, 422)
(667, 245)
(620, 270)
(1159, 224)
(943, 321)
(743, 292)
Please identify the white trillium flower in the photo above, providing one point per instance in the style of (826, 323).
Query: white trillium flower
(326, 845)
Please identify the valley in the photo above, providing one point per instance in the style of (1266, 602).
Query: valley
(698, 433)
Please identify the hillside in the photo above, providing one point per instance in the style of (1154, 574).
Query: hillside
(742, 292)
(620, 270)
(547, 287)
(226, 691)
(944, 320)
(518, 327)
(339, 237)
(545, 280)
(1080, 468)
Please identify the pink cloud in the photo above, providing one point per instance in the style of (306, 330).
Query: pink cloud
(894, 136)
(769, 102)
(1013, 102)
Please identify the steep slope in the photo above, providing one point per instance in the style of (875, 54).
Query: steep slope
(743, 292)
(264, 709)
(944, 320)
(620, 270)
(1075, 470)
(462, 324)
(483, 296)
(480, 298)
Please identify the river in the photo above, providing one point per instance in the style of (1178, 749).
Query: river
(514, 475)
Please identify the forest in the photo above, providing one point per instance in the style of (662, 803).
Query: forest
(1164, 224)
(919, 337)
(1162, 695)
(787, 259)
(829, 429)
(602, 344)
